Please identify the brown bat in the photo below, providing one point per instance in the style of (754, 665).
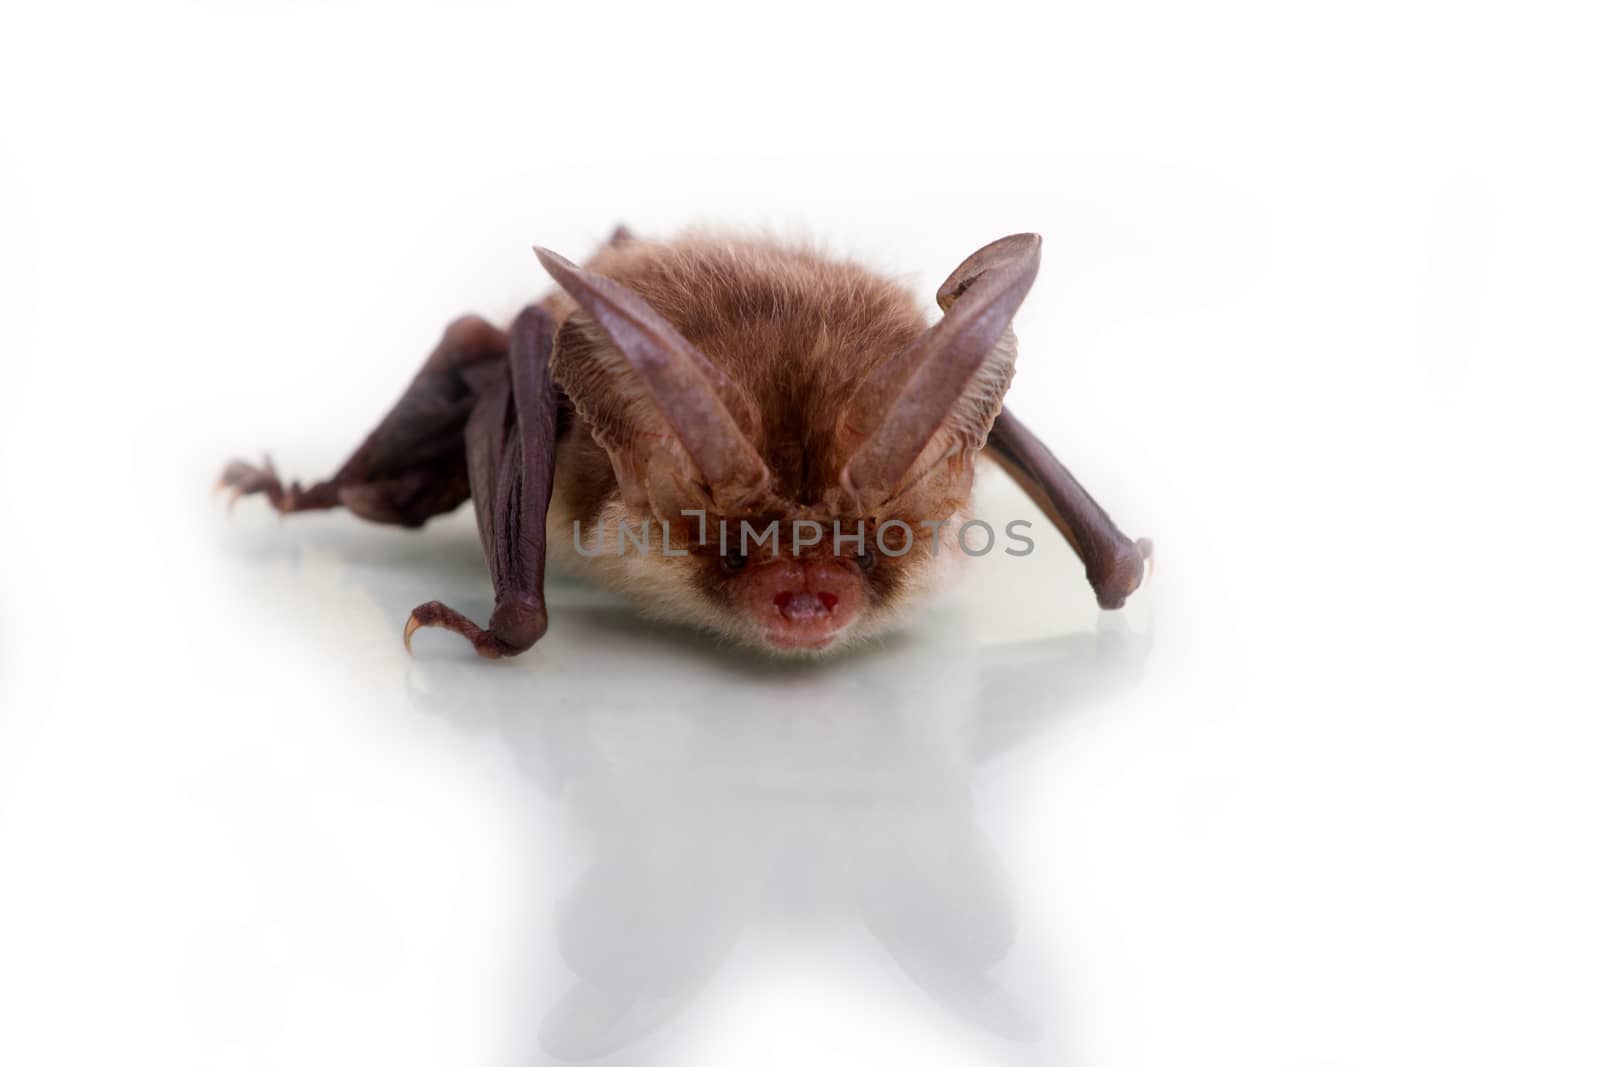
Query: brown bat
(710, 391)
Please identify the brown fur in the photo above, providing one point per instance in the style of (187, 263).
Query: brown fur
(795, 332)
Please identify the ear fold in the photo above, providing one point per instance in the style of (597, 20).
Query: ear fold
(936, 399)
(675, 427)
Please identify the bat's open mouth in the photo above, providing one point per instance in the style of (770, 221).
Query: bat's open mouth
(809, 620)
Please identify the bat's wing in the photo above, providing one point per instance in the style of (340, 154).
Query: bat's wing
(413, 465)
(1115, 564)
(480, 419)
(511, 452)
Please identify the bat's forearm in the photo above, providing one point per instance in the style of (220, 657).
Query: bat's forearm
(1114, 563)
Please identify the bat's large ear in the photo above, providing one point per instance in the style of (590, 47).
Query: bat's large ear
(673, 423)
(927, 410)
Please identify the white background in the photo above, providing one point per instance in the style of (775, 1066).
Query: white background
(1317, 313)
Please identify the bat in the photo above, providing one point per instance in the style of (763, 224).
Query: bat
(739, 434)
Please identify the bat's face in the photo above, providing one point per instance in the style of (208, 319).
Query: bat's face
(774, 580)
(811, 451)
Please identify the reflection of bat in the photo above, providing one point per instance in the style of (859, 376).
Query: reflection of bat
(701, 390)
(848, 802)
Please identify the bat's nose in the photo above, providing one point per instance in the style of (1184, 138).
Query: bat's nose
(803, 603)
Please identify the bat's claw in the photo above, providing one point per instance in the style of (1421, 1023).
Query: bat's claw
(434, 613)
(245, 479)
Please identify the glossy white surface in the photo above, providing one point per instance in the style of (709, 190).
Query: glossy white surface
(1315, 314)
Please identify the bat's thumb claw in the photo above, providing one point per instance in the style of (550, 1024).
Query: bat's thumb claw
(413, 624)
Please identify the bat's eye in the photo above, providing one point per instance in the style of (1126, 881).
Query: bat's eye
(866, 559)
(733, 562)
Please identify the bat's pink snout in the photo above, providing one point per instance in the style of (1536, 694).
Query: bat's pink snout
(802, 603)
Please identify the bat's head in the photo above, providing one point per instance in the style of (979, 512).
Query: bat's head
(793, 447)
